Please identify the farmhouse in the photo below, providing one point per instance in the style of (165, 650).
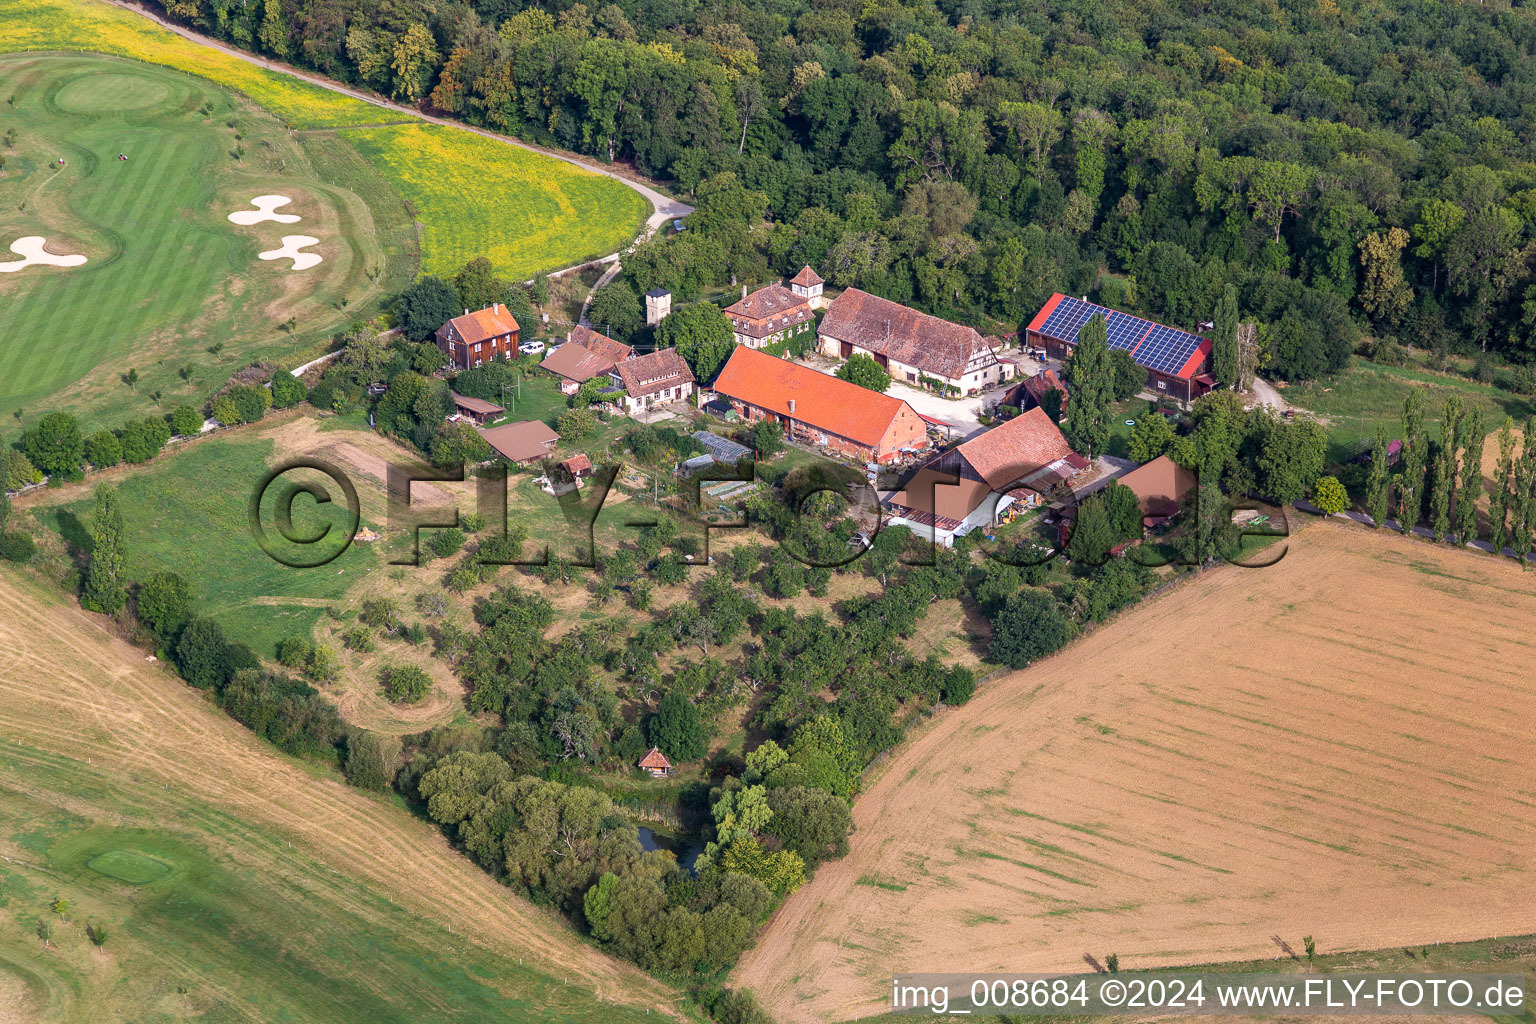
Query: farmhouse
(656, 378)
(478, 410)
(479, 337)
(819, 409)
(585, 354)
(524, 442)
(1025, 461)
(769, 315)
(909, 345)
(1177, 362)
(1160, 486)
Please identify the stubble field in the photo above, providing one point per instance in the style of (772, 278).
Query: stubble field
(236, 884)
(1338, 746)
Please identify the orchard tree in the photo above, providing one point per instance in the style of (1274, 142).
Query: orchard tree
(677, 728)
(1029, 626)
(862, 370)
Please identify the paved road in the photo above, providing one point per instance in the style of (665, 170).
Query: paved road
(664, 208)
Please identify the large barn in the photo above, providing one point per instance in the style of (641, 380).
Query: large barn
(908, 344)
(1177, 362)
(819, 409)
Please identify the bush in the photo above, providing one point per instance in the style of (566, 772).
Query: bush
(163, 602)
(287, 390)
(17, 547)
(1030, 626)
(295, 651)
(446, 543)
(142, 440)
(185, 421)
(202, 655)
(370, 761)
(102, 449)
(1330, 496)
(959, 685)
(404, 684)
(357, 638)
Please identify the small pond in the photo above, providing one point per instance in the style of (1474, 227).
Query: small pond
(686, 851)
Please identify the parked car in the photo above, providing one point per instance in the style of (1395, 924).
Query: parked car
(531, 348)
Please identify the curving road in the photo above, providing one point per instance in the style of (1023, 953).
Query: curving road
(664, 208)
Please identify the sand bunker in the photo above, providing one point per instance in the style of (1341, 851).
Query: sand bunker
(30, 248)
(263, 212)
(290, 251)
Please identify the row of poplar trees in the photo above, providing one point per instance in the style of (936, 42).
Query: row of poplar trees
(1442, 480)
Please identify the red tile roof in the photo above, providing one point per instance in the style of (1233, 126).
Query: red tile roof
(807, 278)
(522, 441)
(587, 355)
(484, 324)
(577, 464)
(652, 372)
(821, 400)
(603, 345)
(1016, 448)
(654, 758)
(901, 333)
(765, 302)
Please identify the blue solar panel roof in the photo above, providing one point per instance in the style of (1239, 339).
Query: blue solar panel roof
(1152, 345)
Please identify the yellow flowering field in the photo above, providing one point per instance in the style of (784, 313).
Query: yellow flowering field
(474, 196)
(70, 25)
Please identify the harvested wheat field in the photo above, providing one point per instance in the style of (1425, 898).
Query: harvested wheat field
(80, 706)
(1340, 746)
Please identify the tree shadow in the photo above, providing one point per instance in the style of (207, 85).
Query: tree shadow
(77, 539)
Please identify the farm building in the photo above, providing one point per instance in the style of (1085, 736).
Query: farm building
(819, 409)
(577, 467)
(479, 337)
(1024, 461)
(656, 763)
(769, 315)
(1160, 486)
(476, 409)
(1177, 362)
(585, 354)
(654, 379)
(524, 442)
(807, 285)
(909, 345)
(722, 450)
(1030, 392)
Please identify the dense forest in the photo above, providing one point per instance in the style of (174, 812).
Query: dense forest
(1358, 170)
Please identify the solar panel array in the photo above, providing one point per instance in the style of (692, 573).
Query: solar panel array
(1152, 345)
(1125, 331)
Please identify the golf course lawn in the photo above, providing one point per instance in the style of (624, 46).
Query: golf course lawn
(170, 288)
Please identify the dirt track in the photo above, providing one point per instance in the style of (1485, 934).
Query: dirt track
(1338, 746)
(71, 689)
